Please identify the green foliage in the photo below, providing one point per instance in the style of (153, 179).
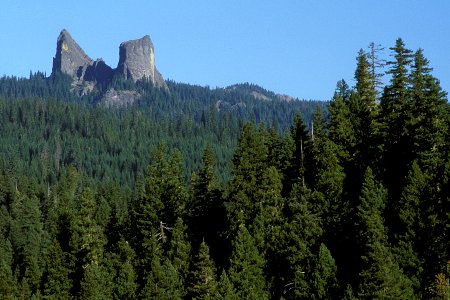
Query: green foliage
(203, 283)
(380, 276)
(325, 280)
(246, 267)
(301, 203)
(226, 290)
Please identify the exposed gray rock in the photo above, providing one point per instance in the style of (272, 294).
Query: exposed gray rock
(137, 61)
(70, 59)
(260, 96)
(119, 98)
(99, 71)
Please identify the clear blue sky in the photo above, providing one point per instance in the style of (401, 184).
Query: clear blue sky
(296, 47)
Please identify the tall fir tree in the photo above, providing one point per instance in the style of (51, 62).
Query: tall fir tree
(247, 267)
(180, 249)
(203, 282)
(206, 211)
(395, 111)
(325, 275)
(302, 235)
(427, 125)
(409, 232)
(380, 276)
(249, 164)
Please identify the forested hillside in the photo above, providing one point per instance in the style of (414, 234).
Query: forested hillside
(234, 193)
(46, 127)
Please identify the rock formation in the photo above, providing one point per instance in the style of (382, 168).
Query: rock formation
(99, 71)
(70, 59)
(136, 62)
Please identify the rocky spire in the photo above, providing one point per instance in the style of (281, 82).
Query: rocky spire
(137, 61)
(70, 59)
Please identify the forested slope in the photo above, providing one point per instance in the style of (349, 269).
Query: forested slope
(351, 205)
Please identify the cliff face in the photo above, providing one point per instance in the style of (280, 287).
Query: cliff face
(136, 62)
(70, 59)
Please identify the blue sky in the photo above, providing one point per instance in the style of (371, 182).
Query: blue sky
(295, 47)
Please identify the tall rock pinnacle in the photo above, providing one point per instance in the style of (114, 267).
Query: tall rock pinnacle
(137, 61)
(70, 59)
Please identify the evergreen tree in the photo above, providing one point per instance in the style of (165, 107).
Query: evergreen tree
(121, 263)
(7, 281)
(302, 236)
(163, 282)
(206, 209)
(249, 164)
(326, 176)
(380, 276)
(226, 290)
(364, 110)
(246, 268)
(57, 283)
(340, 126)
(364, 82)
(325, 275)
(427, 124)
(203, 283)
(28, 239)
(96, 283)
(395, 110)
(410, 229)
(180, 249)
(87, 244)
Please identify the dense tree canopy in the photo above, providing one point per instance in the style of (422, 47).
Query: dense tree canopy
(198, 193)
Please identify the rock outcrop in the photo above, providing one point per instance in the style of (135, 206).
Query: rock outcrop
(70, 59)
(99, 71)
(136, 62)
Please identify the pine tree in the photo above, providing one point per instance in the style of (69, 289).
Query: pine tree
(125, 286)
(380, 276)
(87, 243)
(300, 140)
(160, 202)
(246, 268)
(163, 282)
(428, 128)
(302, 235)
(364, 82)
(8, 284)
(96, 283)
(409, 230)
(207, 205)
(203, 283)
(57, 282)
(395, 111)
(249, 164)
(340, 126)
(226, 290)
(180, 249)
(363, 112)
(325, 275)
(326, 175)
(28, 239)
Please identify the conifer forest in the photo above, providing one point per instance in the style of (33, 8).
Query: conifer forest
(200, 193)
